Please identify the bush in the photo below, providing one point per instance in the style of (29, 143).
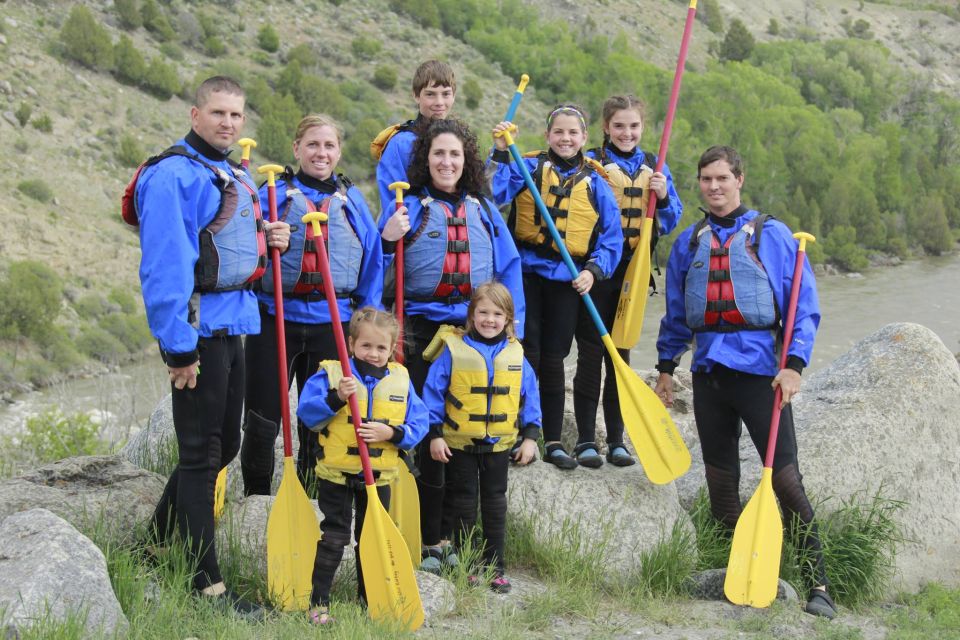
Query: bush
(365, 48)
(710, 14)
(738, 44)
(385, 77)
(161, 79)
(23, 113)
(773, 27)
(85, 40)
(303, 55)
(129, 65)
(43, 124)
(130, 330)
(91, 306)
(472, 93)
(214, 46)
(100, 344)
(29, 300)
(128, 13)
(267, 38)
(53, 436)
(129, 152)
(58, 349)
(156, 22)
(37, 189)
(124, 299)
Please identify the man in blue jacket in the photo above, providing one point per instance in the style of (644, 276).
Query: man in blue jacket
(203, 243)
(728, 281)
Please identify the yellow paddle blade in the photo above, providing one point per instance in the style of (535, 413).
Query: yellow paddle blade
(392, 590)
(633, 293)
(292, 535)
(405, 511)
(219, 494)
(658, 443)
(754, 565)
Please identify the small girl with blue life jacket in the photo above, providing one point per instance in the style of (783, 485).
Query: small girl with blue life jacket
(394, 419)
(356, 264)
(454, 240)
(575, 191)
(633, 177)
(483, 398)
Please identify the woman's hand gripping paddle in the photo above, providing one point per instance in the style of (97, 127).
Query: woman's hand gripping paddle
(220, 489)
(292, 529)
(754, 564)
(405, 499)
(633, 292)
(392, 590)
(661, 450)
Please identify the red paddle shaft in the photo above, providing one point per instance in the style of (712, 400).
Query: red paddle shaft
(399, 188)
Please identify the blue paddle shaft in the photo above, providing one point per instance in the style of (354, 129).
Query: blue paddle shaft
(567, 260)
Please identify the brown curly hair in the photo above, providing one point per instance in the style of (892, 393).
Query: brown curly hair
(419, 172)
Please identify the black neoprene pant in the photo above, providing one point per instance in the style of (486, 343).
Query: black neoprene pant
(590, 354)
(435, 519)
(553, 308)
(469, 476)
(306, 345)
(337, 502)
(721, 399)
(207, 423)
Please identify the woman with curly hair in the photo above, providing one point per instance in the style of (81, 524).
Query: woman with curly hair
(454, 240)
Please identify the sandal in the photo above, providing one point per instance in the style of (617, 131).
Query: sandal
(618, 456)
(820, 604)
(500, 584)
(320, 616)
(432, 561)
(588, 456)
(557, 455)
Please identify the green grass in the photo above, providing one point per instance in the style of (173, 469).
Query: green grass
(932, 613)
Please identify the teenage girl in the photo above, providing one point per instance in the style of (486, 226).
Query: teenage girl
(356, 263)
(482, 396)
(395, 419)
(633, 177)
(585, 212)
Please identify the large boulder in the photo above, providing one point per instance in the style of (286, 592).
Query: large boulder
(885, 414)
(50, 571)
(610, 506)
(82, 489)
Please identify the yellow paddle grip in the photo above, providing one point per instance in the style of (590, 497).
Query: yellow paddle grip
(399, 187)
(246, 144)
(804, 237)
(271, 170)
(524, 79)
(506, 134)
(315, 218)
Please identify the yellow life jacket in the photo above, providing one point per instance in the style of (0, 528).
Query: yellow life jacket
(633, 194)
(569, 203)
(339, 456)
(380, 142)
(475, 409)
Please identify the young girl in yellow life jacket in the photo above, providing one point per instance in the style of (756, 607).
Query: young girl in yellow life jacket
(482, 396)
(585, 211)
(634, 179)
(393, 418)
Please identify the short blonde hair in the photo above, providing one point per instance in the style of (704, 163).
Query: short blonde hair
(318, 120)
(501, 298)
(381, 321)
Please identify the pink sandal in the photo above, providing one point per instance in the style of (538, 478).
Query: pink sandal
(320, 616)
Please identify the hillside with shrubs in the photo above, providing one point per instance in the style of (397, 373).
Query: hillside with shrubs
(850, 124)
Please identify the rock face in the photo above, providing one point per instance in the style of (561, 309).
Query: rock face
(616, 505)
(49, 570)
(85, 488)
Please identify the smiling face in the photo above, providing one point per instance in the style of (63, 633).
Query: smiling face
(318, 151)
(446, 162)
(720, 188)
(220, 120)
(565, 136)
(488, 319)
(435, 101)
(372, 345)
(624, 129)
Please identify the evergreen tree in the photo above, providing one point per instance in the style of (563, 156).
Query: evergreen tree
(267, 38)
(128, 13)
(129, 65)
(738, 44)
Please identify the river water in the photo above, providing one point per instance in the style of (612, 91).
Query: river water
(924, 291)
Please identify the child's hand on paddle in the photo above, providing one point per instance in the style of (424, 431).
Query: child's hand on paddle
(658, 184)
(664, 389)
(526, 452)
(583, 282)
(375, 432)
(397, 225)
(499, 141)
(346, 388)
(439, 450)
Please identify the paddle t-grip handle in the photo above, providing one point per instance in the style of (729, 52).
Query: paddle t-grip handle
(245, 145)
